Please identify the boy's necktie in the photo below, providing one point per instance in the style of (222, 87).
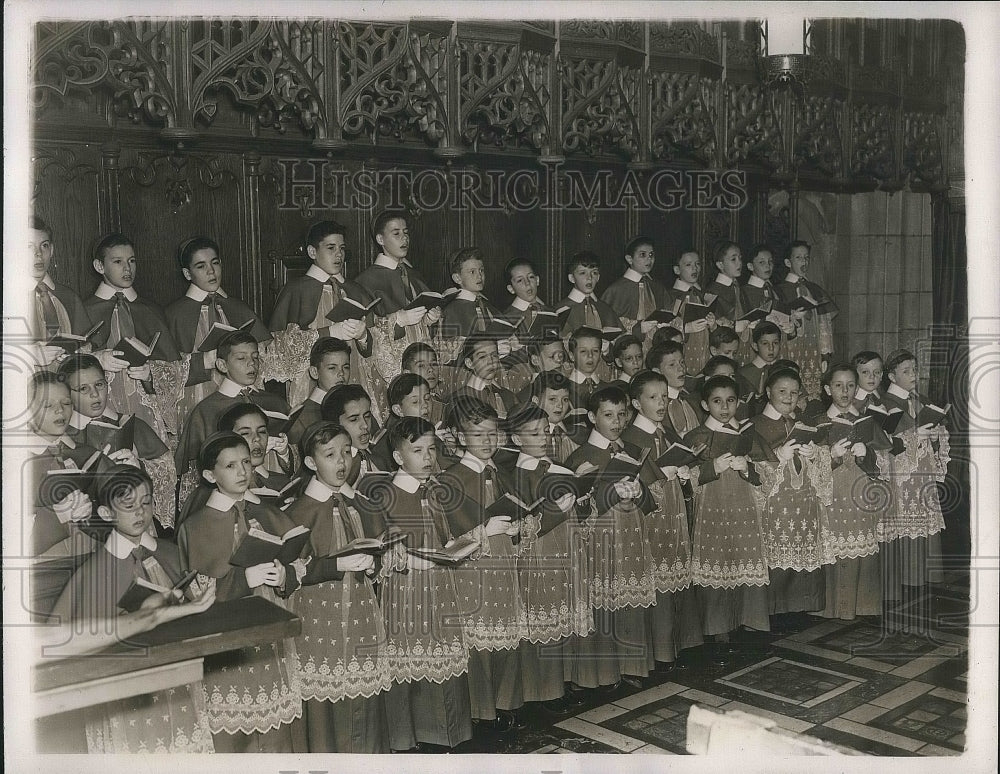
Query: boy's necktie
(489, 486)
(126, 326)
(615, 447)
(555, 442)
(47, 316)
(408, 293)
(590, 317)
(481, 315)
(647, 304)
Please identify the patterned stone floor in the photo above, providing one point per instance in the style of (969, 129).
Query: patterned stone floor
(894, 688)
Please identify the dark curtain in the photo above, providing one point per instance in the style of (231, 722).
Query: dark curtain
(949, 368)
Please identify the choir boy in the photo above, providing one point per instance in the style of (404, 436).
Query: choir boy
(329, 366)
(469, 311)
(585, 308)
(350, 407)
(636, 295)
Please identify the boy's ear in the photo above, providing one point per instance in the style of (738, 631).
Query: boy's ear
(314, 373)
(510, 289)
(718, 265)
(534, 399)
(892, 376)
(396, 409)
(570, 278)
(457, 279)
(592, 417)
(468, 364)
(460, 435)
(209, 476)
(788, 263)
(677, 271)
(99, 266)
(628, 260)
(220, 366)
(310, 463)
(397, 458)
(105, 513)
(635, 403)
(826, 389)
(516, 439)
(380, 240)
(186, 274)
(536, 361)
(311, 252)
(704, 405)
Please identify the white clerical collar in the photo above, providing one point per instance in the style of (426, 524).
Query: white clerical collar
(680, 284)
(79, 421)
(390, 263)
(759, 362)
(197, 294)
(478, 383)
(645, 424)
(47, 281)
(633, 276)
(724, 279)
(318, 274)
(863, 394)
(466, 295)
(520, 304)
(626, 378)
(833, 412)
(107, 291)
(756, 281)
(317, 395)
(772, 413)
(36, 444)
(716, 426)
(598, 440)
(120, 547)
(579, 377)
(792, 277)
(229, 388)
(475, 464)
(673, 392)
(222, 502)
(261, 471)
(405, 481)
(899, 392)
(577, 296)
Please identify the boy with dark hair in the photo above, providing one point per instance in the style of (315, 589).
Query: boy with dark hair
(522, 283)
(546, 354)
(585, 308)
(626, 356)
(752, 376)
(585, 346)
(685, 290)
(192, 316)
(329, 366)
(350, 407)
(621, 583)
(636, 295)
(480, 356)
(429, 704)
(682, 412)
(124, 315)
(302, 307)
(56, 308)
(469, 311)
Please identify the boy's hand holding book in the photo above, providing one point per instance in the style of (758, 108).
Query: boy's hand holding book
(265, 574)
(356, 563)
(498, 525)
(113, 360)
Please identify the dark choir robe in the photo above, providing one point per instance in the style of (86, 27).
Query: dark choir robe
(384, 279)
(675, 618)
(696, 352)
(381, 453)
(500, 398)
(334, 722)
(467, 313)
(362, 463)
(300, 298)
(186, 313)
(683, 412)
(585, 310)
(521, 314)
(147, 444)
(758, 293)
(206, 541)
(306, 415)
(788, 590)
(730, 302)
(788, 289)
(47, 532)
(863, 399)
(147, 318)
(71, 314)
(563, 441)
(94, 591)
(204, 418)
(549, 582)
(494, 675)
(433, 706)
(635, 296)
(581, 387)
(622, 640)
(751, 378)
(262, 483)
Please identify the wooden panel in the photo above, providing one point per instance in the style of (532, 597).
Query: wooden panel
(502, 237)
(164, 205)
(672, 233)
(602, 232)
(66, 197)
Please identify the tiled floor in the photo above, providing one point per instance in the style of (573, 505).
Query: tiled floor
(897, 690)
